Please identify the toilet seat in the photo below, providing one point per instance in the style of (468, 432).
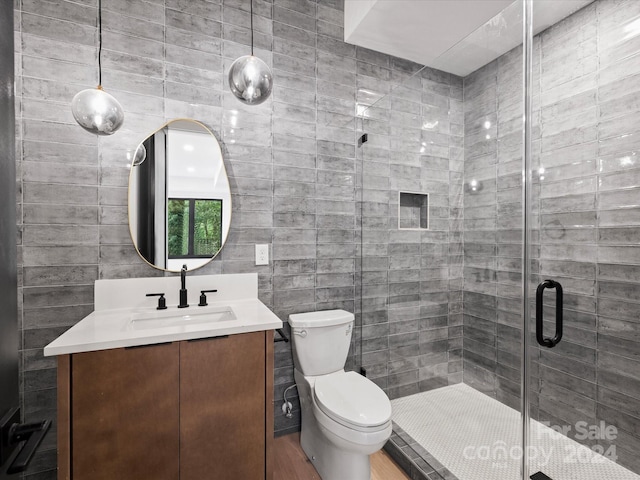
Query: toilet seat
(352, 400)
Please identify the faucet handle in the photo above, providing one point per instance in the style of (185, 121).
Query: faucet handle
(162, 302)
(203, 297)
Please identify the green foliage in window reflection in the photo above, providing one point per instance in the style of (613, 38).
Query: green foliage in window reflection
(195, 227)
(207, 227)
(178, 227)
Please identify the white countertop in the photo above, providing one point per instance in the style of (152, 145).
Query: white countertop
(108, 328)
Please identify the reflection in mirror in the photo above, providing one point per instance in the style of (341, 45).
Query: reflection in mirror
(179, 196)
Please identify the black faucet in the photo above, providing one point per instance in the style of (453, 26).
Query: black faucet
(183, 288)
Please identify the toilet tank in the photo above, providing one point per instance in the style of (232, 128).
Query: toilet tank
(321, 340)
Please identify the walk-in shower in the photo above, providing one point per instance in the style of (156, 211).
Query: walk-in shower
(506, 329)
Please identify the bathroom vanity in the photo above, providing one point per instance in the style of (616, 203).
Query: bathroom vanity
(168, 394)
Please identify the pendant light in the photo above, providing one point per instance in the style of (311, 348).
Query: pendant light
(250, 78)
(94, 109)
(138, 157)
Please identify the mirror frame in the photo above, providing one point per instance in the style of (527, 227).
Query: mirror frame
(131, 167)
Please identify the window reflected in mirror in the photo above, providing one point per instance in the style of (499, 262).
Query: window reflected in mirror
(195, 227)
(179, 197)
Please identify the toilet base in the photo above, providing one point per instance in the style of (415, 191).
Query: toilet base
(331, 462)
(334, 457)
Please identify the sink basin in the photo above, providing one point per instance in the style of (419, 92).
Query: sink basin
(178, 318)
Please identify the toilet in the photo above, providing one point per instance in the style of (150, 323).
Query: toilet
(345, 416)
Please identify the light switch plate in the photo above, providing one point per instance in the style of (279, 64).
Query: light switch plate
(262, 254)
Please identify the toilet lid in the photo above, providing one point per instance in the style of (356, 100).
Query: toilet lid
(350, 398)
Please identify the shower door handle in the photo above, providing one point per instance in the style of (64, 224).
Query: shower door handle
(548, 342)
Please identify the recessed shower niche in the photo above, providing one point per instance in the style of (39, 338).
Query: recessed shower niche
(413, 211)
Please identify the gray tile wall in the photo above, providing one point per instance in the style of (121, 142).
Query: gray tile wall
(291, 161)
(585, 218)
(293, 166)
(412, 279)
(492, 228)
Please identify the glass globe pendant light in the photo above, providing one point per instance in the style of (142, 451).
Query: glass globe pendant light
(139, 156)
(250, 78)
(94, 109)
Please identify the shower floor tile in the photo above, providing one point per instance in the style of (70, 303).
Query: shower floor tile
(477, 438)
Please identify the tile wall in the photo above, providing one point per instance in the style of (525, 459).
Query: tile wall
(412, 279)
(493, 228)
(586, 77)
(291, 161)
(294, 165)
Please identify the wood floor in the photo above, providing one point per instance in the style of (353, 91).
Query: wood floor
(292, 464)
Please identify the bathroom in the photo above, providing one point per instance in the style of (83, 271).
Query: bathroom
(441, 307)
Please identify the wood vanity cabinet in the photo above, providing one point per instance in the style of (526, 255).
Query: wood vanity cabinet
(188, 410)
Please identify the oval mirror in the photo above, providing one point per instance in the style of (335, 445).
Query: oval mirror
(179, 196)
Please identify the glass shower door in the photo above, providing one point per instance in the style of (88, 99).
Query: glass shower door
(441, 253)
(584, 216)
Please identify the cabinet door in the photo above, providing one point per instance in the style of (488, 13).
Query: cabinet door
(124, 406)
(222, 408)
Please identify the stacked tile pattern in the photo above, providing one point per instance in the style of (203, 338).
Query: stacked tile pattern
(291, 161)
(294, 166)
(493, 227)
(411, 278)
(585, 224)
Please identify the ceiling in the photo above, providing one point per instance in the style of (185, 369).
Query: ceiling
(457, 36)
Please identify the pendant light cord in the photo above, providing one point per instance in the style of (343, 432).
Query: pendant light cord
(251, 27)
(99, 43)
